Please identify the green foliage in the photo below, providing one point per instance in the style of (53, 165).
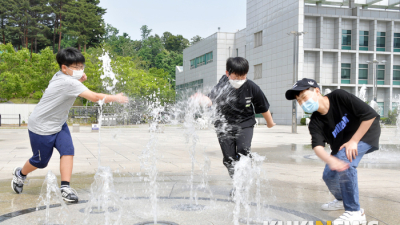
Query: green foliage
(195, 39)
(392, 117)
(23, 77)
(303, 121)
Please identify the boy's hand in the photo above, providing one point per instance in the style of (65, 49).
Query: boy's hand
(337, 164)
(83, 78)
(351, 149)
(271, 125)
(120, 98)
(203, 99)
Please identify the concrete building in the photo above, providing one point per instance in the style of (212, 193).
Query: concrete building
(341, 36)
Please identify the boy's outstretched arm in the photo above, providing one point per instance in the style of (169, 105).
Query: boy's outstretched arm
(95, 97)
(333, 162)
(268, 117)
(351, 146)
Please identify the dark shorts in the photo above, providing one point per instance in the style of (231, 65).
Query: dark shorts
(42, 146)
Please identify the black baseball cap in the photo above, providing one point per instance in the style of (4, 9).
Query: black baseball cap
(300, 85)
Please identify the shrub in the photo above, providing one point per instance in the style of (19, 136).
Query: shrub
(303, 121)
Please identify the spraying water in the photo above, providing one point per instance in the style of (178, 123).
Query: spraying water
(103, 198)
(362, 93)
(51, 195)
(148, 159)
(327, 91)
(247, 175)
(108, 76)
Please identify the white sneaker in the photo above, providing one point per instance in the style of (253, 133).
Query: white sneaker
(333, 205)
(351, 218)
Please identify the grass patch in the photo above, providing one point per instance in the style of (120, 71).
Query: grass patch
(22, 101)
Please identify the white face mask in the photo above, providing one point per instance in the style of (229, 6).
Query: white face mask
(237, 83)
(77, 74)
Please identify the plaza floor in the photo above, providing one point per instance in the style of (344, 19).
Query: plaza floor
(291, 187)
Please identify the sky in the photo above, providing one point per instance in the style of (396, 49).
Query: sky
(186, 17)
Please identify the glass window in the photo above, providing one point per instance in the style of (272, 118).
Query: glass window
(346, 67)
(346, 39)
(380, 41)
(258, 71)
(397, 42)
(363, 71)
(237, 52)
(380, 72)
(257, 39)
(381, 106)
(364, 40)
(396, 73)
(394, 106)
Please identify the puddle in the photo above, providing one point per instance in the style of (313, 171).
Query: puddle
(388, 157)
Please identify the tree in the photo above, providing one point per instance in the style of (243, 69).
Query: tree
(84, 21)
(176, 43)
(5, 12)
(195, 39)
(145, 32)
(150, 48)
(168, 62)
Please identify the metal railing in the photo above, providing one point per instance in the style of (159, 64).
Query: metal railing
(10, 117)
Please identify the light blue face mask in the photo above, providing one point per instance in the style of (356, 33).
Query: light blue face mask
(310, 106)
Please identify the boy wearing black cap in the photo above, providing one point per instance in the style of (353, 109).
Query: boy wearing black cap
(351, 128)
(237, 100)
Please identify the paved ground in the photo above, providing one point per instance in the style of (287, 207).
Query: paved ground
(291, 182)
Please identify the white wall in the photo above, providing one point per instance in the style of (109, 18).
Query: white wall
(205, 72)
(275, 19)
(24, 109)
(329, 33)
(310, 39)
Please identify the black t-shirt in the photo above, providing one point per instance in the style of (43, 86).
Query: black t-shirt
(346, 112)
(238, 106)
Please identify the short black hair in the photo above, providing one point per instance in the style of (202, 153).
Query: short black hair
(69, 56)
(237, 65)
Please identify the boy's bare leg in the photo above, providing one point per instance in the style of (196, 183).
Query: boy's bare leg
(27, 168)
(66, 165)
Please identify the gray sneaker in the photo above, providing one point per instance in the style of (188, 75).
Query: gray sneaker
(17, 183)
(69, 194)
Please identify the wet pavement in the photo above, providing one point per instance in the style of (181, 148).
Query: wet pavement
(291, 180)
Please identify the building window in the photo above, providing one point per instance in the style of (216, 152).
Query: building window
(380, 41)
(363, 74)
(381, 106)
(189, 88)
(380, 74)
(346, 68)
(237, 52)
(257, 39)
(396, 42)
(364, 40)
(396, 75)
(346, 39)
(258, 71)
(201, 60)
(394, 106)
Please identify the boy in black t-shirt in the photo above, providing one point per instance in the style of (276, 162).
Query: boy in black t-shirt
(237, 100)
(351, 128)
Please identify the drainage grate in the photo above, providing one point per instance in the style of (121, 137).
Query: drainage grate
(100, 210)
(188, 207)
(158, 223)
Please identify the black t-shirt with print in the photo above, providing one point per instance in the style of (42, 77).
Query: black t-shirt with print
(346, 112)
(238, 106)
